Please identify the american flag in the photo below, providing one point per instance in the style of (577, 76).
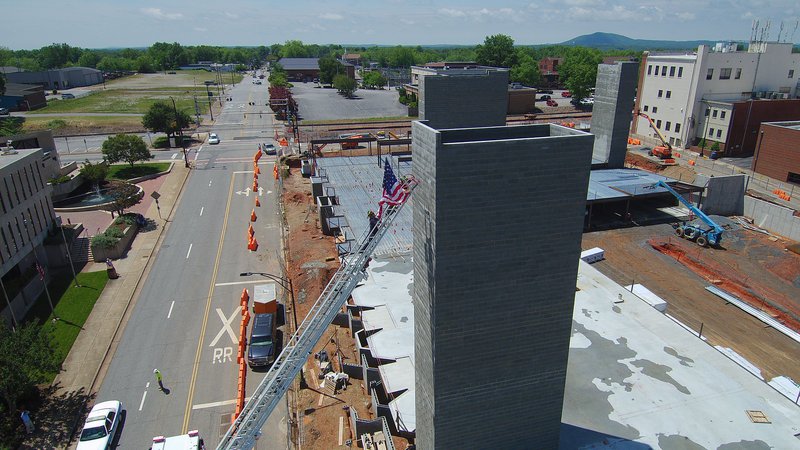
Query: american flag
(40, 270)
(393, 191)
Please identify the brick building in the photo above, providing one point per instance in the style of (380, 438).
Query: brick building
(548, 67)
(778, 151)
(746, 118)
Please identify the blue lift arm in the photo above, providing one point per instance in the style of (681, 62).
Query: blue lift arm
(715, 233)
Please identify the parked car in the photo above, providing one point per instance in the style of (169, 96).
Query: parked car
(566, 94)
(213, 138)
(545, 91)
(4, 112)
(270, 149)
(67, 96)
(545, 97)
(101, 425)
(261, 346)
(552, 103)
(587, 101)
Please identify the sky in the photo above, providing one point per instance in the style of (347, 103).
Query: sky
(29, 24)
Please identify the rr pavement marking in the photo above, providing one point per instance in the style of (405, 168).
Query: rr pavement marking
(193, 379)
(215, 404)
(226, 325)
(170, 309)
(190, 251)
(233, 283)
(174, 155)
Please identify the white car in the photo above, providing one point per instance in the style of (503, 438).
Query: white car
(270, 149)
(101, 426)
(213, 138)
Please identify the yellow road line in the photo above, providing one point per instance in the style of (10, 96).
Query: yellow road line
(193, 380)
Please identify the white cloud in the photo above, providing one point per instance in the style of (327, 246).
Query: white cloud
(452, 12)
(408, 22)
(479, 15)
(331, 16)
(231, 15)
(201, 29)
(161, 15)
(685, 15)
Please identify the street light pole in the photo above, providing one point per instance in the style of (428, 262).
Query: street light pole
(281, 281)
(180, 132)
(210, 110)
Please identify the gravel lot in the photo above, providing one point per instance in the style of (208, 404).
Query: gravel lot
(326, 104)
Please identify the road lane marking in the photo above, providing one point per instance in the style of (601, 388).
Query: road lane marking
(144, 395)
(201, 210)
(198, 152)
(226, 325)
(174, 155)
(169, 314)
(234, 283)
(209, 183)
(190, 251)
(193, 379)
(215, 404)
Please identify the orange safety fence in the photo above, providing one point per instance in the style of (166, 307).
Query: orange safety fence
(240, 357)
(258, 203)
(691, 162)
(253, 216)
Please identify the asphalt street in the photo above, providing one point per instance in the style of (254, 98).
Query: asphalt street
(317, 103)
(186, 318)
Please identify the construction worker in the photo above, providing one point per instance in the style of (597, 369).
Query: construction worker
(373, 223)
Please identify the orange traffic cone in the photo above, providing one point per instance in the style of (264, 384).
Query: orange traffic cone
(256, 169)
(250, 230)
(255, 177)
(245, 298)
(255, 186)
(253, 216)
(275, 171)
(253, 246)
(258, 203)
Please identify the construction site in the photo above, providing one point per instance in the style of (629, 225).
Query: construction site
(605, 298)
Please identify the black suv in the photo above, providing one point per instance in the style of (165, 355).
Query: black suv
(261, 347)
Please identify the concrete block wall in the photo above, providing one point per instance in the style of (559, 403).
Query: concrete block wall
(496, 241)
(464, 101)
(612, 111)
(724, 195)
(774, 218)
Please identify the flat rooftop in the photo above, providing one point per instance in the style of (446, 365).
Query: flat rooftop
(636, 378)
(16, 156)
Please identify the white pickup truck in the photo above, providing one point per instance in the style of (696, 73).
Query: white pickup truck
(190, 441)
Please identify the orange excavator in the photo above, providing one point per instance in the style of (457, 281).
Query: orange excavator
(661, 151)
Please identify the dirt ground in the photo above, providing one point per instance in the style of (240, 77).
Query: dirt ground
(312, 261)
(750, 266)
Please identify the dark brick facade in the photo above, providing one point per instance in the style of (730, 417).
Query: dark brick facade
(778, 154)
(747, 118)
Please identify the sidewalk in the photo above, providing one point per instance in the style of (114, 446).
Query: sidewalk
(85, 366)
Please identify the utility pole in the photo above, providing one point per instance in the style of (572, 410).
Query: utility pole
(208, 93)
(180, 132)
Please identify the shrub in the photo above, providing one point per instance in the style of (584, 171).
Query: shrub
(59, 180)
(104, 241)
(127, 219)
(114, 232)
(161, 142)
(55, 124)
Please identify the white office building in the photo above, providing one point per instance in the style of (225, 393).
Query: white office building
(689, 96)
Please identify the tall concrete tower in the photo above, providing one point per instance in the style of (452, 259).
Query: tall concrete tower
(497, 230)
(612, 111)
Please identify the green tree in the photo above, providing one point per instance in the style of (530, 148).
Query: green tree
(328, 69)
(125, 147)
(526, 71)
(497, 51)
(57, 55)
(345, 85)
(123, 195)
(89, 59)
(26, 359)
(168, 56)
(144, 64)
(401, 57)
(9, 126)
(294, 49)
(160, 118)
(2, 84)
(94, 173)
(579, 70)
(374, 79)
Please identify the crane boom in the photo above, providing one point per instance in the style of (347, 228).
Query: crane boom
(247, 427)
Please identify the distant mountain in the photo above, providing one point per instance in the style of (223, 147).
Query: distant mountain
(611, 41)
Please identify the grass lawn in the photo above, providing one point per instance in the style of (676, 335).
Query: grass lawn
(126, 172)
(118, 101)
(81, 122)
(180, 78)
(72, 305)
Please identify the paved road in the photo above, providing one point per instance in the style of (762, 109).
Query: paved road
(185, 321)
(318, 103)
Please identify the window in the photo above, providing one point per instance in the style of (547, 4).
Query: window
(725, 73)
(668, 125)
(663, 71)
(680, 72)
(707, 111)
(649, 69)
(710, 74)
(722, 114)
(655, 109)
(711, 132)
(672, 141)
(672, 71)
(658, 123)
(660, 93)
(719, 133)
(791, 73)
(738, 73)
(656, 71)
(669, 94)
(714, 113)
(677, 127)
(678, 142)
(793, 178)
(645, 108)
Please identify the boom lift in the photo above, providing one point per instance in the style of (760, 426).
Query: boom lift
(703, 237)
(247, 427)
(663, 151)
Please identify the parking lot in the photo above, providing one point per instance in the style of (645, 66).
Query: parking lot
(317, 103)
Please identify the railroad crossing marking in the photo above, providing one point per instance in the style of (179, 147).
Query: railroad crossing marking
(226, 326)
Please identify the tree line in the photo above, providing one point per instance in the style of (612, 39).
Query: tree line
(158, 57)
